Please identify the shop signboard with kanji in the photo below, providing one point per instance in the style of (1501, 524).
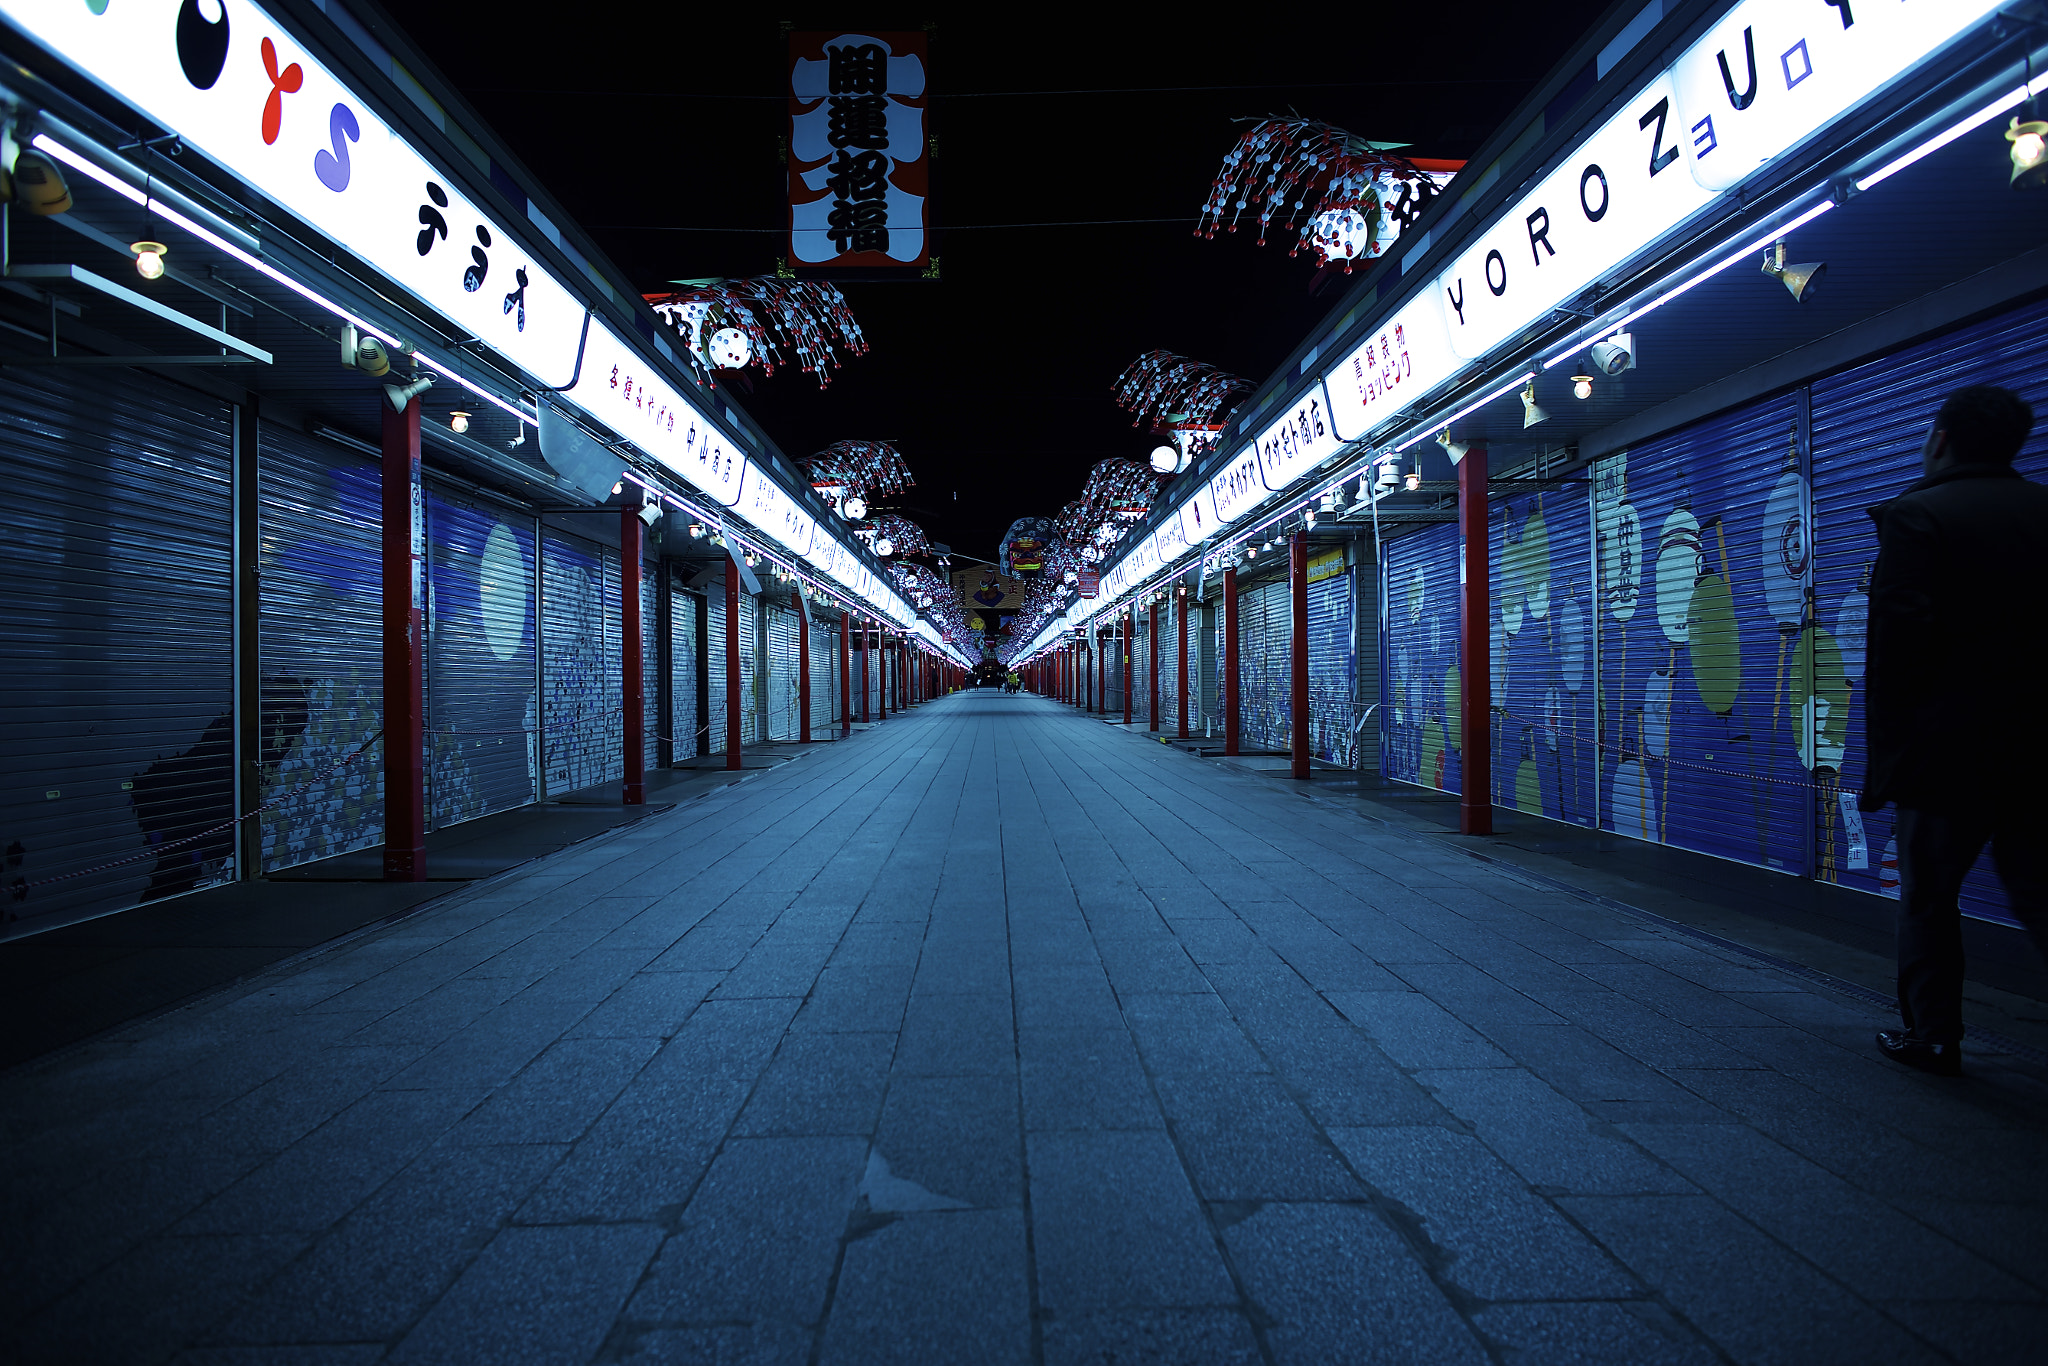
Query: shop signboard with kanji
(859, 164)
(1091, 582)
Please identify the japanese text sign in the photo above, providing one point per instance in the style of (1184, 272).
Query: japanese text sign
(859, 172)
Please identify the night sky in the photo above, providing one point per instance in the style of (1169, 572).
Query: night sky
(658, 126)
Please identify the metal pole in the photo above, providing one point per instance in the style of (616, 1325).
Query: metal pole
(1475, 696)
(1230, 727)
(735, 698)
(803, 670)
(845, 674)
(405, 807)
(1180, 617)
(632, 681)
(1298, 722)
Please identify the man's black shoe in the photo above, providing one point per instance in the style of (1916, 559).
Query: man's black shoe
(1942, 1059)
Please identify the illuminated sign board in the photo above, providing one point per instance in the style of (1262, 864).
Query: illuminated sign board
(859, 163)
(1297, 443)
(1405, 359)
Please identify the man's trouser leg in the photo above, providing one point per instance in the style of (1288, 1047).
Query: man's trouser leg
(1936, 849)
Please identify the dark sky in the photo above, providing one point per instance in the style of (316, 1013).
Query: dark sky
(995, 381)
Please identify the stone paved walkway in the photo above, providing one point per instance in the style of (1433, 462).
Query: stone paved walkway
(1000, 1035)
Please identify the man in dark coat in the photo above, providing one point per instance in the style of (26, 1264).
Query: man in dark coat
(1958, 735)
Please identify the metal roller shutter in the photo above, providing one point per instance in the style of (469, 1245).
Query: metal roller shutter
(783, 722)
(686, 671)
(1420, 733)
(1141, 668)
(1169, 662)
(651, 667)
(714, 669)
(1332, 664)
(750, 669)
(750, 683)
(120, 685)
(1208, 643)
(320, 643)
(482, 699)
(1112, 646)
(1868, 424)
(1706, 559)
(1545, 758)
(1265, 632)
(582, 738)
(824, 676)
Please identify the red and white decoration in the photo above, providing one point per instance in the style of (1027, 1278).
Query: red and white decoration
(730, 324)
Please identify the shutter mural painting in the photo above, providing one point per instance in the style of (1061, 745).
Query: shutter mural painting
(1545, 761)
(583, 736)
(1169, 661)
(320, 647)
(783, 722)
(482, 698)
(1332, 660)
(686, 665)
(1419, 658)
(1868, 426)
(1265, 634)
(119, 689)
(1706, 573)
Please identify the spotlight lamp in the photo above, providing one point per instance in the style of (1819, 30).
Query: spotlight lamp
(149, 259)
(1454, 449)
(458, 421)
(1531, 413)
(650, 511)
(401, 394)
(1800, 279)
(39, 184)
(366, 354)
(1614, 355)
(2029, 153)
(1582, 386)
(696, 531)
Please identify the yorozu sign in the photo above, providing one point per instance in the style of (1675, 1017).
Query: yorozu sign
(859, 174)
(237, 87)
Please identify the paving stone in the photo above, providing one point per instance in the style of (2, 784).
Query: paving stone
(821, 1084)
(535, 1295)
(1181, 1032)
(559, 1094)
(647, 1005)
(1548, 1139)
(958, 1137)
(1415, 1031)
(1498, 1241)
(1244, 1138)
(1115, 1226)
(1085, 1079)
(932, 1288)
(1159, 1337)
(958, 1036)
(1336, 1284)
(1639, 1333)
(1342, 1078)
(755, 1344)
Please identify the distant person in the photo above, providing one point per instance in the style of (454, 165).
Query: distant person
(1015, 681)
(1957, 734)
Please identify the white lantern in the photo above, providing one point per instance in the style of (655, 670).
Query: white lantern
(730, 349)
(856, 507)
(885, 547)
(1166, 460)
(1342, 234)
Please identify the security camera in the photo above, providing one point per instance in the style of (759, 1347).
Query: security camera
(1616, 354)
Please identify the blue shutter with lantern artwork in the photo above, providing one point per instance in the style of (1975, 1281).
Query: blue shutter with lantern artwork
(1332, 662)
(1545, 754)
(1420, 740)
(483, 701)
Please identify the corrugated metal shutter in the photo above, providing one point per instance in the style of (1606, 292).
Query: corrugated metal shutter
(1208, 643)
(1868, 424)
(1706, 565)
(824, 676)
(750, 682)
(1545, 759)
(1332, 664)
(320, 646)
(119, 630)
(482, 699)
(583, 736)
(783, 722)
(686, 671)
(1420, 733)
(1169, 661)
(1112, 647)
(1265, 631)
(651, 667)
(750, 669)
(1141, 668)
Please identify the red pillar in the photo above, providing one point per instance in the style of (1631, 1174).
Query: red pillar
(1152, 655)
(867, 657)
(1124, 645)
(1230, 661)
(405, 567)
(845, 674)
(734, 697)
(1180, 616)
(1298, 723)
(1475, 689)
(803, 671)
(1101, 674)
(632, 682)
(881, 675)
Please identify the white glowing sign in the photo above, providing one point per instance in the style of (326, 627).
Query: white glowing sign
(620, 389)
(235, 86)
(1406, 358)
(1298, 442)
(1237, 487)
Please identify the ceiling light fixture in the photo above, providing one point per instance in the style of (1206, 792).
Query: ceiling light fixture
(1454, 449)
(2029, 152)
(149, 259)
(1614, 354)
(1800, 279)
(1582, 386)
(458, 421)
(1531, 413)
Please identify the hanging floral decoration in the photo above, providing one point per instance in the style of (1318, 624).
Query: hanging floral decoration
(900, 534)
(870, 469)
(938, 598)
(1163, 388)
(1075, 524)
(1336, 186)
(1119, 489)
(730, 324)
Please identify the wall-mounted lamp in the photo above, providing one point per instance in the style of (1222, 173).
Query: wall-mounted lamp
(1531, 413)
(366, 354)
(1800, 279)
(458, 421)
(149, 259)
(39, 184)
(401, 394)
(650, 511)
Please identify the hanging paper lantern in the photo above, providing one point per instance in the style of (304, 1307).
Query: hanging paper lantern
(1343, 234)
(729, 349)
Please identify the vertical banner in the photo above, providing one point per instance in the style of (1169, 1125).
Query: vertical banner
(859, 173)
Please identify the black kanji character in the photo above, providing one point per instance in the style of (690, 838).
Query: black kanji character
(861, 226)
(434, 225)
(859, 121)
(473, 278)
(517, 298)
(1415, 197)
(862, 70)
(859, 175)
